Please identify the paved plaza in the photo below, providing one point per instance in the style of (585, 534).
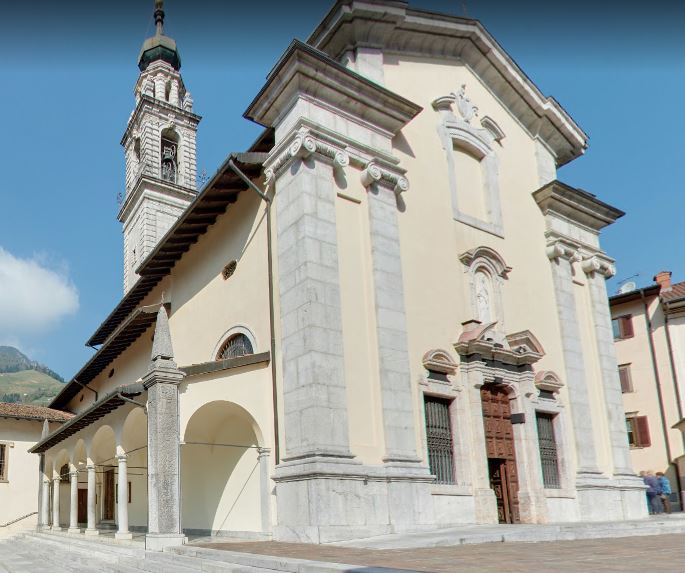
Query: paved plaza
(635, 554)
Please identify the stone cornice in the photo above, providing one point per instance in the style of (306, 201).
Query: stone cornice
(304, 71)
(148, 182)
(576, 205)
(393, 27)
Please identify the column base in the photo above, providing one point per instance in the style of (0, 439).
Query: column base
(56, 528)
(92, 532)
(123, 535)
(74, 530)
(158, 541)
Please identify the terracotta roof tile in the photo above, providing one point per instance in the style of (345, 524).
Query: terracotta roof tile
(31, 412)
(677, 291)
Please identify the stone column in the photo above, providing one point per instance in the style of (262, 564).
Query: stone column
(45, 503)
(122, 505)
(562, 258)
(164, 486)
(73, 501)
(91, 529)
(55, 504)
(265, 488)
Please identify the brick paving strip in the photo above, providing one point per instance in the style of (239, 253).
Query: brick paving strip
(653, 554)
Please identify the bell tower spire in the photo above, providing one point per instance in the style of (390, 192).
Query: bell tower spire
(160, 149)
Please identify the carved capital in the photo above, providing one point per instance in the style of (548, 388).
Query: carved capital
(304, 143)
(559, 249)
(600, 265)
(374, 173)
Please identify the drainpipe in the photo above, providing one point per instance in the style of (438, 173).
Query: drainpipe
(274, 390)
(676, 387)
(82, 385)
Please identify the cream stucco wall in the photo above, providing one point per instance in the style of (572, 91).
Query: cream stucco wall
(19, 494)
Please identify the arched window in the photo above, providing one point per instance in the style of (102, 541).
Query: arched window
(235, 345)
(64, 473)
(169, 152)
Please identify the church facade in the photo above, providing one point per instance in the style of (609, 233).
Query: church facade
(386, 315)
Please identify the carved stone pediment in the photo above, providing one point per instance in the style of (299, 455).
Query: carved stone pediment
(525, 341)
(487, 342)
(548, 380)
(439, 361)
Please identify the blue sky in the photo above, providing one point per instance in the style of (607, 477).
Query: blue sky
(68, 71)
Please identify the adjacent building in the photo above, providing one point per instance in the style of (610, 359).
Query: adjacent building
(21, 426)
(649, 336)
(386, 315)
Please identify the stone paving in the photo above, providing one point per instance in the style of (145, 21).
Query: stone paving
(653, 554)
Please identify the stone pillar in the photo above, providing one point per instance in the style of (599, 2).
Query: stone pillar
(122, 505)
(562, 258)
(55, 504)
(391, 326)
(73, 501)
(45, 503)
(263, 457)
(91, 529)
(597, 271)
(164, 486)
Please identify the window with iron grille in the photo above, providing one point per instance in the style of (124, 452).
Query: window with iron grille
(3, 462)
(439, 438)
(236, 345)
(548, 450)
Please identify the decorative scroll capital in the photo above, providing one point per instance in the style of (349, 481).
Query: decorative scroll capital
(600, 265)
(559, 249)
(304, 144)
(374, 173)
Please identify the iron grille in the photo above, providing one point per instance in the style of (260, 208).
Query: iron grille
(236, 345)
(439, 437)
(548, 451)
(3, 462)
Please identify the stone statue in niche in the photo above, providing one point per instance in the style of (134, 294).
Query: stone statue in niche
(483, 298)
(466, 108)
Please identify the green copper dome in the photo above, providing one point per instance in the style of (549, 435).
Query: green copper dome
(159, 47)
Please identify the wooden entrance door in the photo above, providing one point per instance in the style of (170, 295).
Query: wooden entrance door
(83, 506)
(499, 440)
(108, 509)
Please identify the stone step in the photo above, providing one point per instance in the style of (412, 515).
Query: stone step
(209, 566)
(99, 545)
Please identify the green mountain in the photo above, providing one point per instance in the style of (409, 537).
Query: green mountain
(25, 380)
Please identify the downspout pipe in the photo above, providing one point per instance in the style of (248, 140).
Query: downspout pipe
(86, 387)
(676, 387)
(269, 253)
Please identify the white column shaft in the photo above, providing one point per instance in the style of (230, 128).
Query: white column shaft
(55, 503)
(122, 504)
(73, 508)
(45, 501)
(91, 530)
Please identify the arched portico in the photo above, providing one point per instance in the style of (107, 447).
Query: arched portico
(223, 471)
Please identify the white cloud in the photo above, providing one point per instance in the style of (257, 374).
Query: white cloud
(34, 295)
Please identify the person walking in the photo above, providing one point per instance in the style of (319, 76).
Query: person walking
(665, 486)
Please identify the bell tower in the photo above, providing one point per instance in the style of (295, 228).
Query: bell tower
(159, 145)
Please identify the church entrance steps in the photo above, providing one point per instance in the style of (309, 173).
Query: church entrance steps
(524, 533)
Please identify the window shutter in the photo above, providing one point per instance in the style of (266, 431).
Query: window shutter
(627, 326)
(643, 439)
(626, 381)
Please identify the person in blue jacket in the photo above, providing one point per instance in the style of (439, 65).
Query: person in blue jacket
(665, 486)
(653, 492)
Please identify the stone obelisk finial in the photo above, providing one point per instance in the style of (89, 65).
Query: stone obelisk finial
(162, 350)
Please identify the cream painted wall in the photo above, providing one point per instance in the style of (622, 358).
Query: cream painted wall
(19, 495)
(644, 399)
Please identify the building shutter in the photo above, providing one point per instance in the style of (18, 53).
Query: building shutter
(439, 438)
(626, 380)
(627, 327)
(642, 440)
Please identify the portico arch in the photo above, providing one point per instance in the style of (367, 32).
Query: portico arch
(103, 454)
(221, 487)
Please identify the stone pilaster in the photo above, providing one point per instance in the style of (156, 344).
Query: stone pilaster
(161, 381)
(562, 257)
(264, 454)
(598, 269)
